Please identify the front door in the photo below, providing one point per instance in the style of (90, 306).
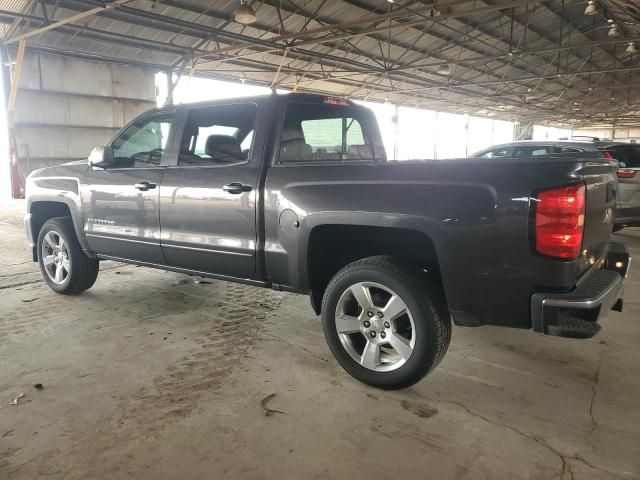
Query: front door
(208, 198)
(120, 202)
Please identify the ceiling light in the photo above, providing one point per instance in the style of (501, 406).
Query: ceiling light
(632, 48)
(444, 69)
(592, 8)
(245, 14)
(614, 31)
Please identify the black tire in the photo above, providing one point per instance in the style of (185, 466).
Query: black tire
(83, 270)
(617, 228)
(423, 298)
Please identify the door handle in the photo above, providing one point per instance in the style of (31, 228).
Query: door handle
(144, 186)
(237, 187)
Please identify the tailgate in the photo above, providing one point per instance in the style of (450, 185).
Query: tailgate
(602, 185)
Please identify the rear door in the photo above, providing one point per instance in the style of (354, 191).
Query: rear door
(120, 203)
(209, 194)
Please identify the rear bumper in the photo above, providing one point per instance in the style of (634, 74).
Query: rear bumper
(576, 313)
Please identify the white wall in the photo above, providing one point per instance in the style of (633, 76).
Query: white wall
(5, 179)
(407, 133)
(621, 134)
(426, 134)
(541, 132)
(66, 106)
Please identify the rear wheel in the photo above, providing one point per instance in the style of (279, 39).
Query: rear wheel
(63, 264)
(385, 322)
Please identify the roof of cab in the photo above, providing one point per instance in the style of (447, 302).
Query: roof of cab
(274, 97)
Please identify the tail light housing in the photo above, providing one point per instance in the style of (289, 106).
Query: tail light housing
(626, 173)
(559, 221)
(606, 154)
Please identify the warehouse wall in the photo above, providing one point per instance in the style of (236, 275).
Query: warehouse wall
(66, 106)
(620, 134)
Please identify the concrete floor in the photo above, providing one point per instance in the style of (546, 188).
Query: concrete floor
(149, 375)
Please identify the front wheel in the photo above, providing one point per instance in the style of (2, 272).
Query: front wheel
(385, 322)
(63, 264)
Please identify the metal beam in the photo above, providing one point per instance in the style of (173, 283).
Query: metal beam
(71, 19)
(525, 79)
(305, 42)
(15, 81)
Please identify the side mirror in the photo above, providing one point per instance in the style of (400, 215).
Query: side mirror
(101, 157)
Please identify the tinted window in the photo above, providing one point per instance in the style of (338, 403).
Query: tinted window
(502, 152)
(217, 135)
(520, 152)
(322, 132)
(629, 155)
(569, 150)
(634, 157)
(143, 143)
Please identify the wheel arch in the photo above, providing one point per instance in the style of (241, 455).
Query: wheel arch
(41, 210)
(348, 243)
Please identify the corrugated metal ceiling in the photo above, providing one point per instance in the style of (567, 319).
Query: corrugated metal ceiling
(514, 59)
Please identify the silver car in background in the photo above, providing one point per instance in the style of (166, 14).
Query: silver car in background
(628, 201)
(627, 154)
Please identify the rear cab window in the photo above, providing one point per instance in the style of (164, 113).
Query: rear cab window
(329, 132)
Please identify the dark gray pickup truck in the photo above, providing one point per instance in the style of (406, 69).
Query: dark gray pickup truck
(294, 192)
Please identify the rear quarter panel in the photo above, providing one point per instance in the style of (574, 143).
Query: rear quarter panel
(476, 212)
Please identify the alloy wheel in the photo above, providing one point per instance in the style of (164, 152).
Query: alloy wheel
(375, 326)
(55, 257)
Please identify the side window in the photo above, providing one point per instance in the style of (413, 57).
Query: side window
(633, 159)
(219, 135)
(503, 152)
(569, 150)
(328, 132)
(619, 153)
(523, 152)
(205, 132)
(143, 143)
(627, 155)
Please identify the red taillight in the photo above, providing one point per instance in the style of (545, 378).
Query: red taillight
(335, 101)
(607, 155)
(626, 173)
(560, 221)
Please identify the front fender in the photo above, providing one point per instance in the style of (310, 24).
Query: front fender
(61, 190)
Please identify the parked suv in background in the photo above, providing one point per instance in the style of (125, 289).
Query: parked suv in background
(627, 154)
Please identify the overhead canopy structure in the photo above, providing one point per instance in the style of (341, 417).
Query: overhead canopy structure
(559, 61)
